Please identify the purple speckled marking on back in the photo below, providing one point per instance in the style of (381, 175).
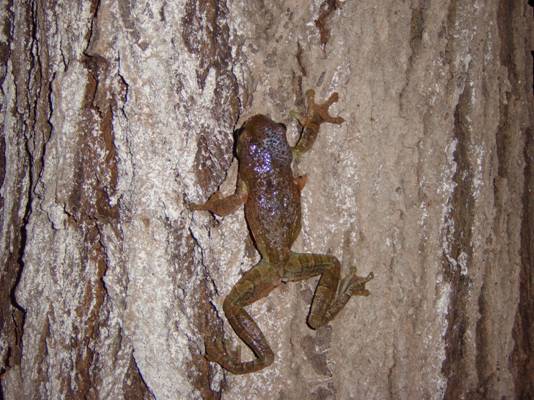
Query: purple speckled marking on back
(273, 206)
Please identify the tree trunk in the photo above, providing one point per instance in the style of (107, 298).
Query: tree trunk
(115, 114)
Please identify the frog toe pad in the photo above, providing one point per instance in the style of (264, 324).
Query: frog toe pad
(355, 285)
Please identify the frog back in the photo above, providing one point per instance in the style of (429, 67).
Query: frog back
(274, 217)
(273, 208)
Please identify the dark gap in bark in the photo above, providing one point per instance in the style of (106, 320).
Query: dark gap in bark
(522, 358)
(134, 386)
(461, 251)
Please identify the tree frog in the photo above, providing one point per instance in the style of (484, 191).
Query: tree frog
(271, 197)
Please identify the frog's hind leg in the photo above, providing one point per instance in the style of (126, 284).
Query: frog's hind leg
(253, 285)
(331, 293)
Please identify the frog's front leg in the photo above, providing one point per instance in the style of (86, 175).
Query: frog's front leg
(316, 114)
(224, 205)
(331, 294)
(253, 285)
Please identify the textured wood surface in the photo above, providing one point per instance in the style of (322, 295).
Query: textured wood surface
(114, 114)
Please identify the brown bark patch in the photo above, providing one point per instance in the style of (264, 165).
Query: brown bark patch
(210, 325)
(210, 160)
(300, 61)
(133, 385)
(206, 35)
(17, 52)
(460, 251)
(90, 311)
(90, 208)
(505, 16)
(325, 11)
(5, 53)
(95, 178)
(522, 360)
(11, 314)
(202, 313)
(417, 27)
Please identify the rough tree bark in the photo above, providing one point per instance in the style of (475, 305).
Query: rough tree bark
(115, 113)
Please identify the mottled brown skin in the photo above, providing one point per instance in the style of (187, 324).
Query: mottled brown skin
(271, 195)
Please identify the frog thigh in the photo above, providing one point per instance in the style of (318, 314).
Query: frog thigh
(253, 285)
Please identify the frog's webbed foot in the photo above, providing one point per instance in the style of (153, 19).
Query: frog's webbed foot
(354, 285)
(316, 114)
(319, 113)
(219, 351)
(214, 350)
